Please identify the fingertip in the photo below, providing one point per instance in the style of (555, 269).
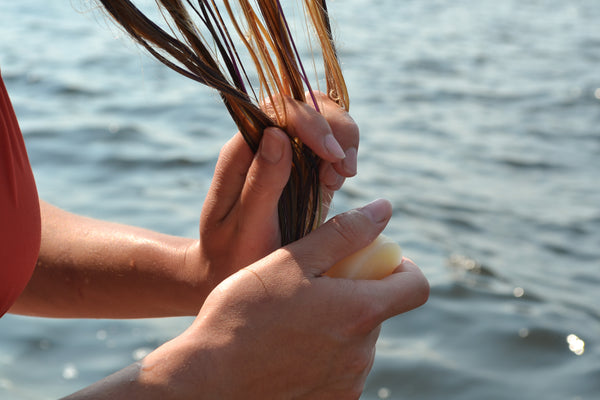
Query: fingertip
(350, 162)
(267, 175)
(272, 145)
(333, 147)
(330, 178)
(378, 211)
(236, 149)
(342, 236)
(407, 264)
(415, 280)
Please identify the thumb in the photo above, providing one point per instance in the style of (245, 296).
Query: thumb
(266, 178)
(341, 236)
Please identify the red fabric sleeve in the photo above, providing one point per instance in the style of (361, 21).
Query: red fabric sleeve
(20, 226)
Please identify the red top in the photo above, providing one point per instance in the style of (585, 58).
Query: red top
(20, 226)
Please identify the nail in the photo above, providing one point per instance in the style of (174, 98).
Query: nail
(378, 211)
(271, 145)
(330, 177)
(333, 147)
(351, 161)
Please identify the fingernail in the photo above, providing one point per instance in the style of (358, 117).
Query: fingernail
(329, 175)
(378, 211)
(331, 178)
(407, 262)
(271, 146)
(351, 161)
(333, 147)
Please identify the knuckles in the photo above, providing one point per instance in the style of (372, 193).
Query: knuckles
(354, 229)
(344, 128)
(367, 318)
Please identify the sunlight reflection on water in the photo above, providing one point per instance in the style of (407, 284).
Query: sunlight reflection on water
(576, 345)
(479, 121)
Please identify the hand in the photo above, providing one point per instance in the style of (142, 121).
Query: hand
(89, 268)
(278, 329)
(239, 220)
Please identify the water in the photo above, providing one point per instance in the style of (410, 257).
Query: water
(480, 121)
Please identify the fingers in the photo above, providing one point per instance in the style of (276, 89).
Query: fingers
(314, 131)
(340, 236)
(375, 301)
(230, 174)
(331, 134)
(404, 290)
(331, 179)
(329, 131)
(338, 122)
(330, 182)
(345, 131)
(267, 176)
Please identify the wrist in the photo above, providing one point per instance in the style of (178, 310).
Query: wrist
(196, 275)
(123, 384)
(179, 369)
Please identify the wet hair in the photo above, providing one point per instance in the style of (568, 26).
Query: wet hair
(196, 40)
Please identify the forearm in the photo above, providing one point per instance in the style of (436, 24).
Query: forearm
(124, 384)
(96, 269)
(176, 370)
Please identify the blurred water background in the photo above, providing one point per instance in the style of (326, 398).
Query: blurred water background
(480, 121)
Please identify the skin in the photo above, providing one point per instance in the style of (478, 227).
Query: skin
(269, 324)
(89, 268)
(278, 329)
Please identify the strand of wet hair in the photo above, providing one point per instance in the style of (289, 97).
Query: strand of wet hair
(271, 46)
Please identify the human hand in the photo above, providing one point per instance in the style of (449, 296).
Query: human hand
(279, 329)
(239, 220)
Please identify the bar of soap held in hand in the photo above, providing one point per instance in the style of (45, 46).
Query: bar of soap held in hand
(376, 261)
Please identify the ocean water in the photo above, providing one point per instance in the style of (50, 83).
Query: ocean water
(480, 121)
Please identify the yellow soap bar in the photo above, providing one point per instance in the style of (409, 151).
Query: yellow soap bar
(376, 261)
